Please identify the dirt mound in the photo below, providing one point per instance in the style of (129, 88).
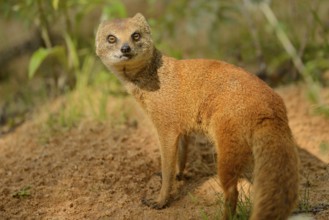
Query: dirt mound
(101, 171)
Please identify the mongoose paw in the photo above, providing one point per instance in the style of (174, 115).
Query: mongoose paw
(153, 204)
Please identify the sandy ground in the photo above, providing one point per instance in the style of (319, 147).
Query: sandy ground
(101, 171)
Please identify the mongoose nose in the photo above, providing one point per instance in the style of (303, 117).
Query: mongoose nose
(125, 48)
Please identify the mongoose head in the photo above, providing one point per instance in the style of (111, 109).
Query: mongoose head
(125, 45)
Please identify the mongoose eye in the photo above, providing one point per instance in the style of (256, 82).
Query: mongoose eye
(111, 39)
(136, 36)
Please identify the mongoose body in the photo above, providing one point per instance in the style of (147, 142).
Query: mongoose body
(244, 118)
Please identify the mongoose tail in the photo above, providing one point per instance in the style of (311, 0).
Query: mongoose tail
(275, 181)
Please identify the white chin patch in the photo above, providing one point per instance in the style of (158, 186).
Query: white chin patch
(119, 58)
(124, 58)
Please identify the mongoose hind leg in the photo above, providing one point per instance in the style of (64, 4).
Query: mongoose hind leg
(229, 171)
(229, 183)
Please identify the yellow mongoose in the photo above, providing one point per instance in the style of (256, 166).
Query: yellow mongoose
(245, 119)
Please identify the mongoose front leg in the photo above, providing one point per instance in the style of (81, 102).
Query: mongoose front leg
(181, 157)
(168, 150)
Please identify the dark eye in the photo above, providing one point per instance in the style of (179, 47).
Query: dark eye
(111, 39)
(136, 36)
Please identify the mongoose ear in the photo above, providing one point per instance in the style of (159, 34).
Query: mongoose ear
(139, 17)
(141, 20)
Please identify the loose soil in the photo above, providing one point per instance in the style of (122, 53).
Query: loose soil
(102, 171)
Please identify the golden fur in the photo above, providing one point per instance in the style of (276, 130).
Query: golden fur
(244, 118)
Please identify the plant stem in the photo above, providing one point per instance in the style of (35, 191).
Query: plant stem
(44, 25)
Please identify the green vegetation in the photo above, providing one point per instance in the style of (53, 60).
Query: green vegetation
(304, 205)
(65, 59)
(23, 192)
(324, 147)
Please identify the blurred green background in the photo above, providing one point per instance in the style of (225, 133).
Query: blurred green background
(47, 48)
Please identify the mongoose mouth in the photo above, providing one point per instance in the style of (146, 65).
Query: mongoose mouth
(125, 57)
